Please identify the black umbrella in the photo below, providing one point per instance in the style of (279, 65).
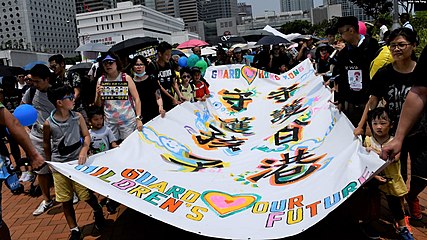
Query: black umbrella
(133, 44)
(272, 40)
(11, 71)
(229, 40)
(80, 66)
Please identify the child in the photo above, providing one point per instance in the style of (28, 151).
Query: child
(202, 90)
(390, 180)
(185, 86)
(66, 138)
(102, 138)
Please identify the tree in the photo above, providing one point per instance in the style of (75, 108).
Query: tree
(297, 26)
(374, 8)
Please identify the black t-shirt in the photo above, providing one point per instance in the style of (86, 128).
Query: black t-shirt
(147, 94)
(261, 60)
(393, 86)
(277, 62)
(352, 66)
(165, 76)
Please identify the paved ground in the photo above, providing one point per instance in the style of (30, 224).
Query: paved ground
(129, 224)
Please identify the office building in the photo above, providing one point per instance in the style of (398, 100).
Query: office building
(39, 26)
(94, 5)
(296, 5)
(349, 9)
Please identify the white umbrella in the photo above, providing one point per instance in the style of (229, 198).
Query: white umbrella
(208, 51)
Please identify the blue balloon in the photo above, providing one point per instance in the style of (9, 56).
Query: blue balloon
(182, 61)
(26, 114)
(192, 60)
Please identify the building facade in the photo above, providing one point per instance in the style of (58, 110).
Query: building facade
(210, 10)
(349, 9)
(39, 26)
(127, 21)
(326, 12)
(94, 5)
(296, 5)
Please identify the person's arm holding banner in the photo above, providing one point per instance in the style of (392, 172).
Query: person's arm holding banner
(159, 101)
(413, 108)
(176, 88)
(21, 136)
(135, 96)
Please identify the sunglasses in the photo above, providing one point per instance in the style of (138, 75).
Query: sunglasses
(108, 62)
(186, 76)
(69, 97)
(27, 79)
(139, 65)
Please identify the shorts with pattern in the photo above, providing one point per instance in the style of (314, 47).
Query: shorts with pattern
(65, 188)
(122, 131)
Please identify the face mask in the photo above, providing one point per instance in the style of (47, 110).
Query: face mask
(139, 74)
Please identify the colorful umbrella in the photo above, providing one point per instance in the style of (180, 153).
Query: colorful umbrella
(192, 43)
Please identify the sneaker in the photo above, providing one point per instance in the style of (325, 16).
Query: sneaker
(100, 222)
(405, 234)
(43, 207)
(111, 206)
(415, 209)
(75, 235)
(369, 231)
(24, 177)
(75, 198)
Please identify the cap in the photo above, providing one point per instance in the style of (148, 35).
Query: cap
(108, 58)
(237, 50)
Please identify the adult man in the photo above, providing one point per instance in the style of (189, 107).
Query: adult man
(381, 23)
(57, 65)
(40, 77)
(404, 19)
(279, 62)
(262, 58)
(161, 70)
(413, 108)
(351, 69)
(20, 136)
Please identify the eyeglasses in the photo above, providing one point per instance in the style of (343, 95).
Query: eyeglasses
(401, 46)
(69, 97)
(108, 62)
(139, 65)
(53, 66)
(185, 76)
(27, 79)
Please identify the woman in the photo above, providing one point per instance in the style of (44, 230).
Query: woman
(148, 90)
(392, 83)
(117, 93)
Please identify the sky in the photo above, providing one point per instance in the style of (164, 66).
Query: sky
(259, 6)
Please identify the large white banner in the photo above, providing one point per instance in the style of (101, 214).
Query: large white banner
(266, 156)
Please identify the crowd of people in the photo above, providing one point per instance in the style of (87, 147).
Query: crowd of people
(78, 114)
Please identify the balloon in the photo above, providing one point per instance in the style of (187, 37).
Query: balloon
(182, 61)
(203, 65)
(362, 28)
(26, 114)
(192, 60)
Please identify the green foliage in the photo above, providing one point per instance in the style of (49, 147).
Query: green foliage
(419, 22)
(374, 8)
(297, 26)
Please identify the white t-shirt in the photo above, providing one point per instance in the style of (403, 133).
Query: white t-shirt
(101, 139)
(383, 29)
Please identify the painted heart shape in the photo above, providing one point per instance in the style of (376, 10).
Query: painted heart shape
(225, 204)
(249, 73)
